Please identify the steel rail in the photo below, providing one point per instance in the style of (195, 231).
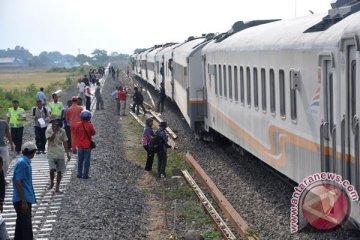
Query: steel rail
(217, 219)
(236, 220)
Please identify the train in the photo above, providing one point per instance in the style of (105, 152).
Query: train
(284, 90)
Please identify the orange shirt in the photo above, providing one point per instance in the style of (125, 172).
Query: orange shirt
(73, 114)
(82, 139)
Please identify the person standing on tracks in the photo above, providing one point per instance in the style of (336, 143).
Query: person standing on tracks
(148, 133)
(16, 118)
(115, 95)
(57, 139)
(23, 192)
(117, 73)
(56, 106)
(88, 95)
(41, 117)
(162, 154)
(73, 117)
(122, 99)
(138, 99)
(4, 150)
(84, 131)
(99, 100)
(162, 97)
(66, 125)
(40, 95)
(81, 87)
(3, 232)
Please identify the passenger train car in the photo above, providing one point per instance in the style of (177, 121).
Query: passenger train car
(284, 90)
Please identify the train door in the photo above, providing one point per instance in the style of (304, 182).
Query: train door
(206, 77)
(351, 151)
(328, 128)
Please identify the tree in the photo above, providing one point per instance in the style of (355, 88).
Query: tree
(82, 58)
(100, 56)
(139, 50)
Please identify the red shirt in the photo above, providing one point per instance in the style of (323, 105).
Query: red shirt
(73, 114)
(82, 139)
(122, 95)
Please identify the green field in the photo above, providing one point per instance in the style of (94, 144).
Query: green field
(20, 79)
(22, 84)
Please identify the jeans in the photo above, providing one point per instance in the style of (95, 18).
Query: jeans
(68, 134)
(122, 107)
(83, 167)
(149, 159)
(40, 138)
(99, 103)
(23, 228)
(88, 103)
(3, 232)
(117, 106)
(162, 157)
(4, 153)
(17, 136)
(160, 104)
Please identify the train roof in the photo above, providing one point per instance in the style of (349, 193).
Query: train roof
(289, 34)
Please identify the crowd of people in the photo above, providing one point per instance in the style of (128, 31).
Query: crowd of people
(64, 129)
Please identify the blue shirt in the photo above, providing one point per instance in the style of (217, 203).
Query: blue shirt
(23, 172)
(41, 96)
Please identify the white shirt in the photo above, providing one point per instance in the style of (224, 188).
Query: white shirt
(81, 87)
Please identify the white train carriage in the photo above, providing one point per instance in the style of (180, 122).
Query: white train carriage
(151, 66)
(141, 58)
(164, 56)
(286, 92)
(188, 79)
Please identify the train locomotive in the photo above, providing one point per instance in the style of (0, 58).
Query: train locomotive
(284, 90)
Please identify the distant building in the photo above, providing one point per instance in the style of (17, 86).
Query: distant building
(11, 63)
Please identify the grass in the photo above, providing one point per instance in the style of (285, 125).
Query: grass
(21, 79)
(23, 84)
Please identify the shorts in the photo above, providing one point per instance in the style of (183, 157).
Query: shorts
(57, 164)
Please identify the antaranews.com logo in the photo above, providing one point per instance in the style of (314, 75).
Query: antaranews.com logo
(324, 201)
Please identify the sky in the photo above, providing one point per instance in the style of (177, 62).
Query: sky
(80, 26)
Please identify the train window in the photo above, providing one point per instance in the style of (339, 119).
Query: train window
(256, 89)
(263, 89)
(220, 81)
(216, 79)
(272, 91)
(248, 86)
(236, 84)
(282, 93)
(230, 82)
(242, 88)
(225, 81)
(293, 103)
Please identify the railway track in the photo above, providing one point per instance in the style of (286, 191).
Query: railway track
(48, 202)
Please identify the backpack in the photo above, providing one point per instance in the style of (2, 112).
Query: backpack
(156, 144)
(34, 110)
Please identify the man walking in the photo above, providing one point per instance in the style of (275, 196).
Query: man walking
(16, 118)
(99, 100)
(40, 95)
(57, 144)
(4, 150)
(85, 131)
(41, 117)
(162, 154)
(23, 192)
(122, 98)
(56, 106)
(162, 97)
(73, 117)
(115, 95)
(138, 99)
